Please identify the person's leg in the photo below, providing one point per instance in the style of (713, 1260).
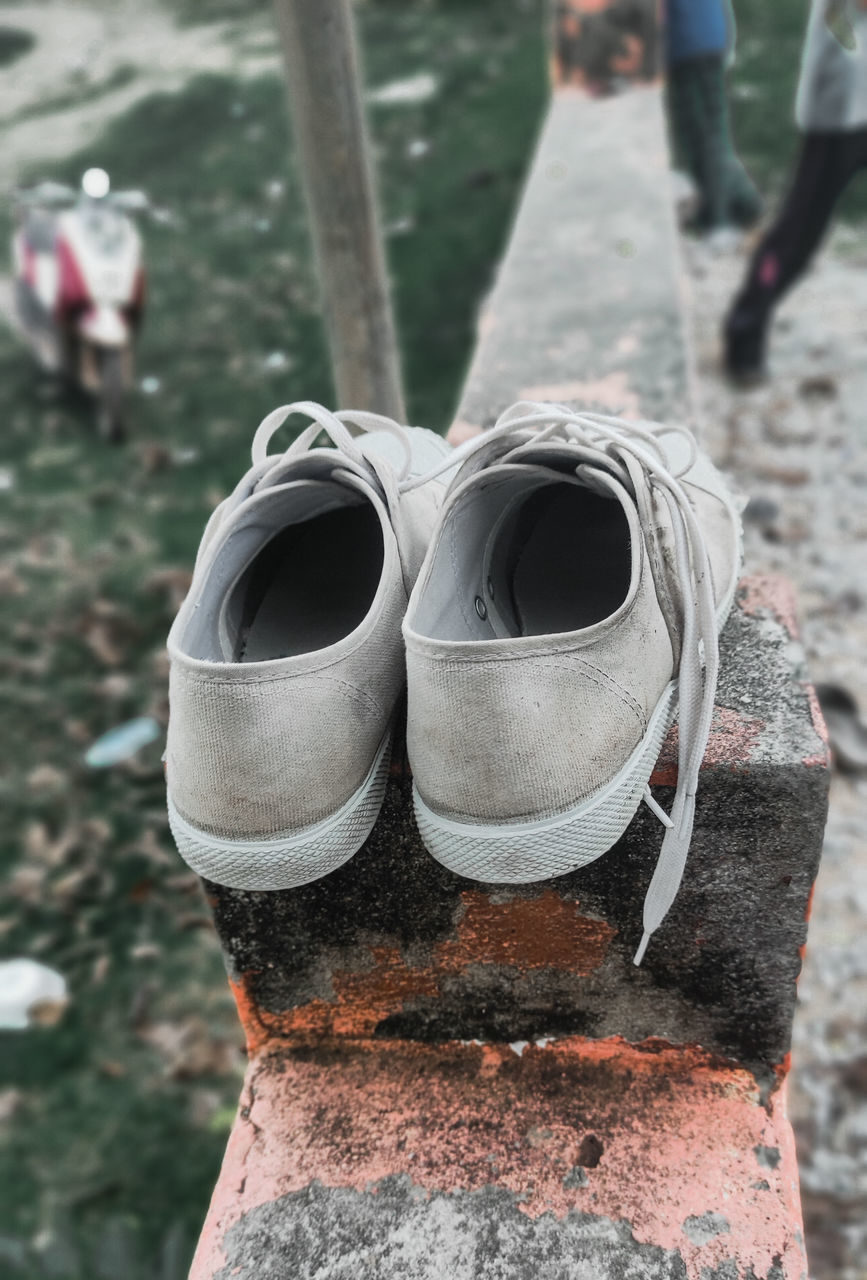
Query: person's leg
(744, 201)
(701, 118)
(703, 126)
(826, 164)
(683, 114)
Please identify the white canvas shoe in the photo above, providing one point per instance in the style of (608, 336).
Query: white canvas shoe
(286, 657)
(570, 598)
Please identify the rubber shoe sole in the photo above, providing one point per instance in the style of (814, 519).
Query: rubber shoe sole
(523, 852)
(285, 862)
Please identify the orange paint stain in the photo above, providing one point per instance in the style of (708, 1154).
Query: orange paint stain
(524, 934)
(769, 593)
(732, 739)
(528, 933)
(818, 759)
(809, 909)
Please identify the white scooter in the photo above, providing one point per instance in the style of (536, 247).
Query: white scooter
(80, 286)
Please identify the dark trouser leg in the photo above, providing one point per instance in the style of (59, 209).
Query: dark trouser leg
(696, 114)
(826, 165)
(698, 109)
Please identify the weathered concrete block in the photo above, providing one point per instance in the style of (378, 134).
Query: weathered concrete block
(392, 946)
(572, 1161)
(452, 1079)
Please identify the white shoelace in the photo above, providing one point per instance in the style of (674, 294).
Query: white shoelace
(382, 474)
(392, 481)
(628, 447)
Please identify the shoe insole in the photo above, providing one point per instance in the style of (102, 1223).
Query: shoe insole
(310, 586)
(572, 560)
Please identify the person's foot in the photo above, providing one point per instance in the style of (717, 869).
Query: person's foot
(744, 351)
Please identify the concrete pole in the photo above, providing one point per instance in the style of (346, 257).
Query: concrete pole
(319, 51)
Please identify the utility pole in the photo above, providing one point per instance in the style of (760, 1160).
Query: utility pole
(319, 51)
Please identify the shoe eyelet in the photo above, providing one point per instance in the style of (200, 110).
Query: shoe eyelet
(481, 608)
(491, 588)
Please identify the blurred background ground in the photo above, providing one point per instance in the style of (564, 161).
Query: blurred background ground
(798, 447)
(113, 1120)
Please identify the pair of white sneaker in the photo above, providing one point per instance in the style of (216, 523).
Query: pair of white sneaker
(555, 585)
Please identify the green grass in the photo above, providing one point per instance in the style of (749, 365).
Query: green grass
(119, 1113)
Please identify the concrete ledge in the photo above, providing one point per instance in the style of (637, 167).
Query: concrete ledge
(477, 1161)
(586, 305)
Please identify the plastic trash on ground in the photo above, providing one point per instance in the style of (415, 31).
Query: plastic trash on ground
(122, 742)
(28, 990)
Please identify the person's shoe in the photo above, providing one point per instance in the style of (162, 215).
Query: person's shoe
(745, 338)
(745, 205)
(571, 594)
(286, 657)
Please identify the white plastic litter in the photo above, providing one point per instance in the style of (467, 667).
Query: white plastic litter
(183, 457)
(24, 985)
(122, 743)
(401, 93)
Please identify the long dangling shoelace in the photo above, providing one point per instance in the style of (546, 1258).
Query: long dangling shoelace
(627, 446)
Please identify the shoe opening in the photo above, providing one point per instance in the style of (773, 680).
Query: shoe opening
(285, 588)
(529, 557)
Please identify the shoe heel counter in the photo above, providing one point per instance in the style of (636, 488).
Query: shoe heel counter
(257, 757)
(486, 747)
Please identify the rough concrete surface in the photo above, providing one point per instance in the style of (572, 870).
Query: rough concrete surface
(400, 1160)
(585, 307)
(798, 446)
(467, 1080)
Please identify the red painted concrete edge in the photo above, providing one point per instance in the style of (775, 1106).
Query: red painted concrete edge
(675, 1136)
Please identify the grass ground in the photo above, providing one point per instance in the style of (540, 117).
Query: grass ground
(113, 1121)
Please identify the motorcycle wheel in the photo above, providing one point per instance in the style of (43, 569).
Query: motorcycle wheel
(112, 424)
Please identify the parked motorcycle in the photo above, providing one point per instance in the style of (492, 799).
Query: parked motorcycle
(80, 286)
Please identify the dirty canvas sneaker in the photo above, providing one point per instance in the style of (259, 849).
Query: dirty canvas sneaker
(570, 598)
(287, 658)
